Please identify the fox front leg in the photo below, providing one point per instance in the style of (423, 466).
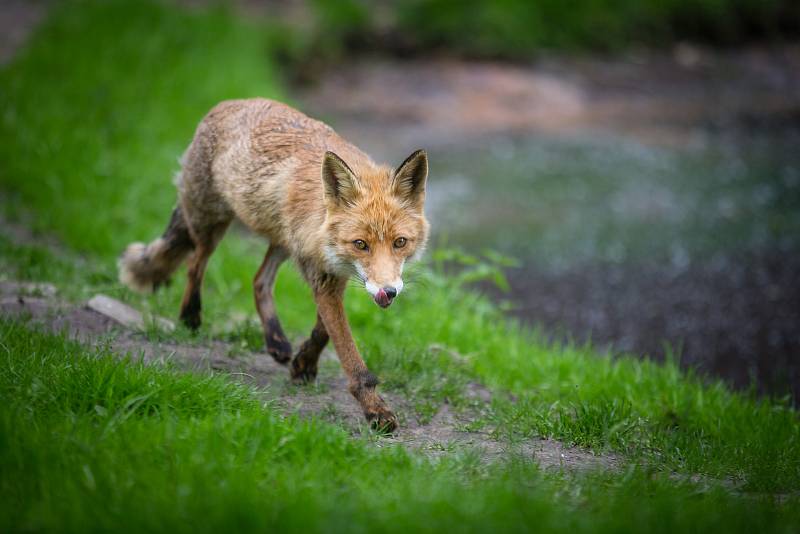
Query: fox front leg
(304, 364)
(362, 383)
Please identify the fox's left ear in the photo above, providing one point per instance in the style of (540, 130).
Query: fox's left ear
(409, 179)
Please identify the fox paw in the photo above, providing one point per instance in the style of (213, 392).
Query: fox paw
(279, 348)
(382, 420)
(302, 372)
(191, 320)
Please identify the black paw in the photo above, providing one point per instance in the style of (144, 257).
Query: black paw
(302, 372)
(382, 420)
(279, 348)
(190, 311)
(191, 320)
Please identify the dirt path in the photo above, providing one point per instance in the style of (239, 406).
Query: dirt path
(18, 18)
(327, 399)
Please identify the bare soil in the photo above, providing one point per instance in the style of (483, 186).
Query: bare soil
(327, 399)
(17, 19)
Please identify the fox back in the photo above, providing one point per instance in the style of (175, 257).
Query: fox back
(293, 180)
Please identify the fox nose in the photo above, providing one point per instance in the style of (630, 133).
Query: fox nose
(390, 292)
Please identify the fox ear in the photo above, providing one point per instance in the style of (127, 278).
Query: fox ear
(341, 184)
(409, 179)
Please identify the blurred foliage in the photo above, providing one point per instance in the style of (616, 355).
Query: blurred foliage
(461, 268)
(334, 29)
(517, 29)
(88, 136)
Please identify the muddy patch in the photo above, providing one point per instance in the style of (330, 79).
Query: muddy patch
(327, 399)
(736, 317)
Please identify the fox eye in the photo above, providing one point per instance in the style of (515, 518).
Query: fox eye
(360, 244)
(400, 242)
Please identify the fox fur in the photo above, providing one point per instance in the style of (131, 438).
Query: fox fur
(320, 202)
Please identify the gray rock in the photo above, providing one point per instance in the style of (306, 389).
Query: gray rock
(124, 314)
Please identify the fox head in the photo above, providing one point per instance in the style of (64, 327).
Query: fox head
(375, 221)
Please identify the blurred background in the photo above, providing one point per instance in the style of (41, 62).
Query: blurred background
(633, 166)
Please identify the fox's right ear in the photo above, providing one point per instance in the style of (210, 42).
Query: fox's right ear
(341, 184)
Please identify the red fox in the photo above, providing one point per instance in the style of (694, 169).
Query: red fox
(319, 200)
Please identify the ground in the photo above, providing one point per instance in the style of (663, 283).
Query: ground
(327, 399)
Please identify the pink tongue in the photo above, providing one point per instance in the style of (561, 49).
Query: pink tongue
(382, 298)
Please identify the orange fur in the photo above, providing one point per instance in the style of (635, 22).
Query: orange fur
(318, 199)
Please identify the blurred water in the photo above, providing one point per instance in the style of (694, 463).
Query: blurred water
(640, 247)
(560, 202)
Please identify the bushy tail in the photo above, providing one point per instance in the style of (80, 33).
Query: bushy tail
(145, 267)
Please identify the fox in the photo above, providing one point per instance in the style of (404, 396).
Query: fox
(319, 201)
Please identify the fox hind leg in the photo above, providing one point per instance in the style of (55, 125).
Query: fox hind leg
(277, 344)
(205, 243)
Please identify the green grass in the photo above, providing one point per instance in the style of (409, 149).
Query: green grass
(128, 82)
(89, 442)
(93, 115)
